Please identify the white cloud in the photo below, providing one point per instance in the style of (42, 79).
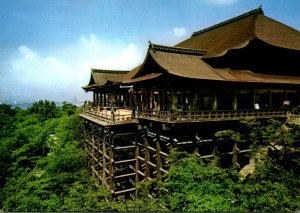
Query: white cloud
(59, 74)
(222, 2)
(179, 31)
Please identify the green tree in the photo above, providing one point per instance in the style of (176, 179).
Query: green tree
(45, 109)
(194, 186)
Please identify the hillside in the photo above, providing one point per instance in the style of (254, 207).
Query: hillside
(42, 168)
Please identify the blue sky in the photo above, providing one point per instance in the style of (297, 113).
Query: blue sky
(49, 46)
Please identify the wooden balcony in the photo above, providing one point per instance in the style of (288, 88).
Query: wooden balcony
(115, 116)
(205, 116)
(107, 116)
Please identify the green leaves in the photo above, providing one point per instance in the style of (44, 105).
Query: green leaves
(45, 109)
(194, 186)
(42, 169)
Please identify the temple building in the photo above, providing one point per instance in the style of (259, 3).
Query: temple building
(245, 67)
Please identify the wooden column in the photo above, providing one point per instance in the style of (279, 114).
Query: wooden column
(147, 159)
(184, 100)
(235, 152)
(93, 155)
(104, 99)
(97, 98)
(158, 158)
(159, 100)
(193, 100)
(234, 101)
(104, 164)
(253, 98)
(137, 167)
(270, 99)
(100, 99)
(162, 100)
(215, 100)
(94, 97)
(115, 100)
(174, 100)
(111, 161)
(151, 100)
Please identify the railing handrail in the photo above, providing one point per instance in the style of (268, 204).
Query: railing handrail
(200, 111)
(112, 116)
(210, 114)
(109, 116)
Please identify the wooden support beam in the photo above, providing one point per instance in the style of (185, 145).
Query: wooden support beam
(234, 151)
(215, 100)
(151, 164)
(124, 147)
(137, 167)
(111, 163)
(141, 158)
(104, 164)
(125, 161)
(123, 191)
(174, 99)
(234, 100)
(158, 158)
(151, 149)
(147, 159)
(125, 175)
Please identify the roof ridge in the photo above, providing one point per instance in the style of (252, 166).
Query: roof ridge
(109, 71)
(244, 15)
(176, 49)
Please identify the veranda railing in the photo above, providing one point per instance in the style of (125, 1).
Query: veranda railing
(210, 115)
(109, 115)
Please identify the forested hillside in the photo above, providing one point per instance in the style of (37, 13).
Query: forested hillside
(42, 168)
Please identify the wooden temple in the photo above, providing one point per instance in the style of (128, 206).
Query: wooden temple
(245, 67)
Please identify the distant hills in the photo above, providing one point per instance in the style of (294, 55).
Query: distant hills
(25, 105)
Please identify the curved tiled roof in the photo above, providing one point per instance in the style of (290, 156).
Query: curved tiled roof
(184, 65)
(239, 31)
(104, 77)
(185, 59)
(192, 66)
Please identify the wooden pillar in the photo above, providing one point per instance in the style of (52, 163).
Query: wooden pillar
(162, 100)
(100, 99)
(104, 98)
(120, 99)
(111, 161)
(100, 154)
(215, 100)
(184, 100)
(97, 98)
(94, 97)
(147, 159)
(285, 94)
(174, 99)
(298, 101)
(270, 99)
(158, 158)
(159, 100)
(235, 152)
(115, 100)
(93, 156)
(151, 100)
(134, 98)
(148, 100)
(234, 101)
(253, 98)
(104, 163)
(137, 167)
(193, 100)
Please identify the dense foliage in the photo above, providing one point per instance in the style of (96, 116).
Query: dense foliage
(42, 168)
